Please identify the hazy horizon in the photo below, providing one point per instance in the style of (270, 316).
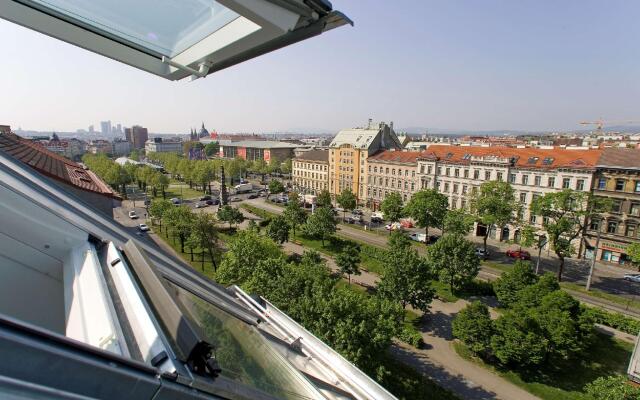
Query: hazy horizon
(468, 66)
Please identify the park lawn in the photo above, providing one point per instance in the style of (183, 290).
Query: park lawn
(174, 191)
(606, 356)
(624, 301)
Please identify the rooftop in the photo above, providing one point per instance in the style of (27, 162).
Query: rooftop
(314, 155)
(261, 144)
(619, 158)
(396, 156)
(52, 164)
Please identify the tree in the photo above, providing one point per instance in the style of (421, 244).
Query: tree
(294, 213)
(517, 341)
(161, 181)
(455, 260)
(512, 281)
(494, 205)
(614, 387)
(531, 296)
(260, 167)
(398, 240)
(212, 149)
(179, 221)
(392, 207)
(278, 229)
(286, 166)
(324, 199)
(204, 235)
(564, 218)
(458, 222)
(428, 208)
(347, 200)
(321, 224)
(633, 251)
(275, 187)
(243, 250)
(230, 215)
(473, 326)
(348, 260)
(407, 278)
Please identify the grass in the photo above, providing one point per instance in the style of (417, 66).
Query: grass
(174, 191)
(499, 266)
(606, 356)
(624, 301)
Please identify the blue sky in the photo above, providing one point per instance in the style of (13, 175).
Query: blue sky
(525, 65)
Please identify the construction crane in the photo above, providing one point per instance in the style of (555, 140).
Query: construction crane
(600, 123)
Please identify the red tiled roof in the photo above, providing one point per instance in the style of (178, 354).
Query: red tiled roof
(395, 156)
(53, 165)
(557, 157)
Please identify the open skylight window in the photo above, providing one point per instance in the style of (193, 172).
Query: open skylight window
(176, 38)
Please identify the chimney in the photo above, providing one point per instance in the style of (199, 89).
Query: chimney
(369, 125)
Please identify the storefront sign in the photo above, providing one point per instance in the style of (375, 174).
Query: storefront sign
(614, 246)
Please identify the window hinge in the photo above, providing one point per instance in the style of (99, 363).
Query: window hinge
(195, 74)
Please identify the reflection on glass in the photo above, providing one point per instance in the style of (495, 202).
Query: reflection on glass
(167, 27)
(242, 352)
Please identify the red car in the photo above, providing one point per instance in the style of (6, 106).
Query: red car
(521, 254)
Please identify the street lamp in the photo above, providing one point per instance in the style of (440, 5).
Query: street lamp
(593, 259)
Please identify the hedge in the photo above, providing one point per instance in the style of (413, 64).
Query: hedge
(411, 336)
(614, 320)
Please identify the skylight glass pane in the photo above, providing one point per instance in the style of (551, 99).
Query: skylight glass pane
(243, 354)
(167, 27)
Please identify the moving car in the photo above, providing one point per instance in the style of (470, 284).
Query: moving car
(632, 277)
(252, 196)
(418, 237)
(378, 215)
(353, 219)
(406, 223)
(205, 197)
(395, 226)
(175, 201)
(201, 204)
(133, 215)
(143, 227)
(519, 254)
(357, 212)
(235, 198)
(482, 253)
(243, 188)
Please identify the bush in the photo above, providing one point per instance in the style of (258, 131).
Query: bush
(265, 222)
(512, 281)
(479, 288)
(612, 388)
(614, 320)
(473, 326)
(374, 252)
(411, 336)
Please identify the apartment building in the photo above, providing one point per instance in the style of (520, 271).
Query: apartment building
(137, 136)
(348, 154)
(391, 171)
(310, 172)
(617, 177)
(161, 145)
(457, 171)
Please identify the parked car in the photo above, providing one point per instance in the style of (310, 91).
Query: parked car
(176, 201)
(353, 219)
(378, 215)
(252, 196)
(209, 202)
(418, 237)
(632, 277)
(357, 212)
(395, 226)
(235, 198)
(143, 227)
(133, 215)
(482, 254)
(201, 204)
(205, 197)
(520, 254)
(433, 239)
(406, 223)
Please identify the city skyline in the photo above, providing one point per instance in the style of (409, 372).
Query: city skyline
(492, 66)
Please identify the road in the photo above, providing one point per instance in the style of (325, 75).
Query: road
(606, 278)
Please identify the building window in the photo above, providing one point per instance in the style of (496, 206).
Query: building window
(375, 169)
(476, 174)
(499, 176)
(393, 171)
(551, 182)
(616, 206)
(635, 209)
(386, 170)
(413, 186)
(525, 179)
(580, 184)
(447, 171)
(464, 189)
(637, 187)
(439, 170)
(537, 180)
(413, 174)
(406, 172)
(630, 231)
(466, 173)
(532, 219)
(602, 183)
(455, 188)
(523, 198)
(422, 169)
(512, 178)
(566, 183)
(487, 175)
(612, 226)
(429, 170)
(446, 187)
(457, 172)
(594, 225)
(463, 204)
(620, 184)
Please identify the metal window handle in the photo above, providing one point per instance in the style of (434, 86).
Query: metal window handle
(195, 74)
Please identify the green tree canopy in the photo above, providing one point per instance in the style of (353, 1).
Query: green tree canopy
(348, 260)
(392, 207)
(324, 199)
(455, 260)
(398, 240)
(614, 387)
(275, 187)
(512, 281)
(407, 278)
(347, 200)
(294, 213)
(179, 221)
(428, 208)
(212, 149)
(473, 326)
(230, 215)
(321, 224)
(633, 251)
(494, 205)
(242, 253)
(278, 229)
(204, 236)
(458, 222)
(158, 208)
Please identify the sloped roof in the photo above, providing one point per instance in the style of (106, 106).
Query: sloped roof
(314, 155)
(529, 157)
(360, 138)
(620, 158)
(53, 165)
(396, 156)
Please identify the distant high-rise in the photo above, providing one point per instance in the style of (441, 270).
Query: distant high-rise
(137, 136)
(105, 127)
(91, 129)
